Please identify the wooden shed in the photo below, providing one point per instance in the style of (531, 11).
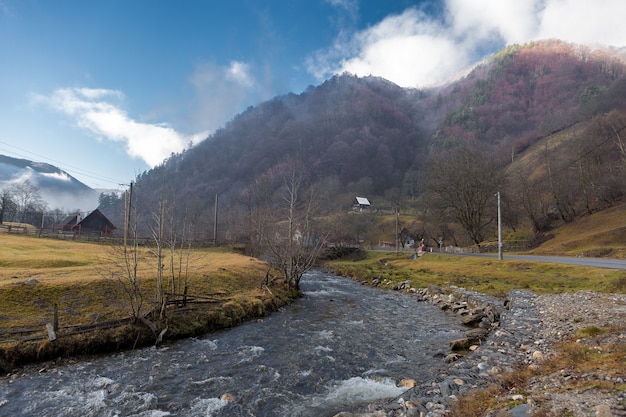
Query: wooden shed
(96, 222)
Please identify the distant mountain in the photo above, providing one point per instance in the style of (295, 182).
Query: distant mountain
(58, 188)
(370, 137)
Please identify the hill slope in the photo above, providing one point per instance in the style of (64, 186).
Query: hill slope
(366, 136)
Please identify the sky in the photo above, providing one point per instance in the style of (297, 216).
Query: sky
(107, 89)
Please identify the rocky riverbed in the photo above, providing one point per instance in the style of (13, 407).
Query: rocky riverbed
(518, 333)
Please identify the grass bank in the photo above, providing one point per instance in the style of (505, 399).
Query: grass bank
(484, 275)
(81, 284)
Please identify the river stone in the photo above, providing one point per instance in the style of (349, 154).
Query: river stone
(453, 357)
(463, 343)
(228, 397)
(522, 410)
(472, 318)
(478, 333)
(603, 410)
(407, 383)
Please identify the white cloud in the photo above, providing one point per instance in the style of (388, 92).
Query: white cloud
(221, 91)
(239, 72)
(93, 110)
(582, 21)
(414, 49)
(383, 50)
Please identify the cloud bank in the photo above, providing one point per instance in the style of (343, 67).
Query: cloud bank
(414, 49)
(96, 111)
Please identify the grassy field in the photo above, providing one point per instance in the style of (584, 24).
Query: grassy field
(489, 276)
(84, 282)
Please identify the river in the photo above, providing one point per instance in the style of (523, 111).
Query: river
(339, 347)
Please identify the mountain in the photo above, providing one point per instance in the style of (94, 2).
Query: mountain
(367, 136)
(58, 188)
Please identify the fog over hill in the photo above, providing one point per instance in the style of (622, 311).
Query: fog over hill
(369, 136)
(58, 188)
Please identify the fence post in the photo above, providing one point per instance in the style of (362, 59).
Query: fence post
(56, 318)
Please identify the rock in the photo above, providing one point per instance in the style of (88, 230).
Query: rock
(407, 383)
(477, 333)
(456, 307)
(444, 388)
(463, 343)
(472, 318)
(228, 397)
(522, 410)
(453, 357)
(603, 410)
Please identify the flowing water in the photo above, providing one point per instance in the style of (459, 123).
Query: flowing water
(341, 346)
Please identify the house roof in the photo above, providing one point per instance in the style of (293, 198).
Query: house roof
(97, 220)
(362, 201)
(71, 219)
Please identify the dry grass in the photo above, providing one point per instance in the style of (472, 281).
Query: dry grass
(485, 275)
(601, 234)
(83, 280)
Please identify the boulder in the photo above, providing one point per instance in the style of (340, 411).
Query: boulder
(463, 343)
(478, 333)
(472, 318)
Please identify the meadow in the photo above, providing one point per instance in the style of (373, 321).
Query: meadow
(485, 275)
(82, 285)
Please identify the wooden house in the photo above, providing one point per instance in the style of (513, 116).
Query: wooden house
(95, 223)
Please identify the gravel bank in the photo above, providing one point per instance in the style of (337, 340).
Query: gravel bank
(530, 325)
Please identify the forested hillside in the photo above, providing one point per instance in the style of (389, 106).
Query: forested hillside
(545, 115)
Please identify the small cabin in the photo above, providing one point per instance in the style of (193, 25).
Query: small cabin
(361, 204)
(94, 223)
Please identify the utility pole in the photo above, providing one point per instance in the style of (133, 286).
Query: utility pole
(128, 197)
(215, 223)
(499, 228)
(397, 231)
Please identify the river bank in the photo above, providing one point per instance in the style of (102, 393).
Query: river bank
(180, 322)
(550, 355)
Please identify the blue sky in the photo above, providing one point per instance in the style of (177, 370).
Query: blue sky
(107, 89)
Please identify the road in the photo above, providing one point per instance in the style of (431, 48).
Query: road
(596, 262)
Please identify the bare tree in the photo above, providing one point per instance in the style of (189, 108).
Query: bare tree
(157, 231)
(7, 205)
(465, 181)
(287, 233)
(27, 199)
(122, 261)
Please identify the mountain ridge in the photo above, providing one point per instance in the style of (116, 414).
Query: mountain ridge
(58, 188)
(339, 126)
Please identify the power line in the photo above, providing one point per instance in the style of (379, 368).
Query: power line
(62, 165)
